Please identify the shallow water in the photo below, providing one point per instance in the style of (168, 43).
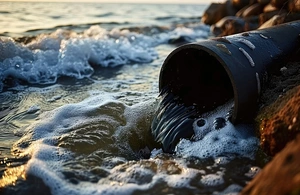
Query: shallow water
(77, 104)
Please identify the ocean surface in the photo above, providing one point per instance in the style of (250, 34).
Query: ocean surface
(79, 91)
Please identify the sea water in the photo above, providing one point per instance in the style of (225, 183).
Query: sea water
(79, 94)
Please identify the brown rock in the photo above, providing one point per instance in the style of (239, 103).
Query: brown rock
(264, 17)
(281, 175)
(269, 8)
(289, 17)
(216, 11)
(263, 2)
(241, 11)
(294, 6)
(238, 4)
(279, 3)
(280, 19)
(275, 20)
(281, 123)
(231, 25)
(253, 10)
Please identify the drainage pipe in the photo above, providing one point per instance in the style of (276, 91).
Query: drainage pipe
(210, 72)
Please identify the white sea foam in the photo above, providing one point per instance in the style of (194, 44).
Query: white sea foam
(103, 132)
(209, 142)
(212, 180)
(233, 189)
(67, 53)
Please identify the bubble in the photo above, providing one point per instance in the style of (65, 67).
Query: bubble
(210, 141)
(211, 180)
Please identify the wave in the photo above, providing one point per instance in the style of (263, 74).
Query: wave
(46, 57)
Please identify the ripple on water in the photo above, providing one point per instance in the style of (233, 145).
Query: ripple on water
(93, 147)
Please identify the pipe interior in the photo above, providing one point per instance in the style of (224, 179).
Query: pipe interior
(197, 78)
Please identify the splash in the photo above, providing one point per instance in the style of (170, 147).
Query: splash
(185, 131)
(94, 147)
(47, 57)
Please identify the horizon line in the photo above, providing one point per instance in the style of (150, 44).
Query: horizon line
(203, 2)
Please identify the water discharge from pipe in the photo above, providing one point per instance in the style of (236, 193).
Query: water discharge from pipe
(199, 77)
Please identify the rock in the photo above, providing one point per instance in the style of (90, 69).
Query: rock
(294, 6)
(264, 17)
(281, 122)
(270, 8)
(281, 175)
(216, 11)
(241, 11)
(279, 3)
(238, 4)
(289, 17)
(263, 2)
(253, 10)
(275, 20)
(231, 25)
(280, 19)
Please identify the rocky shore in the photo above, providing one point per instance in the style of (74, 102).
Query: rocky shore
(278, 117)
(235, 16)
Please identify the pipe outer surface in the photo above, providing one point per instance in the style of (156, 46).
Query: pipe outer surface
(211, 72)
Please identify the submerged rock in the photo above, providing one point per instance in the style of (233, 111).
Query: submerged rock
(281, 175)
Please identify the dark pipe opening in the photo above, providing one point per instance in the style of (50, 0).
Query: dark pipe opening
(197, 78)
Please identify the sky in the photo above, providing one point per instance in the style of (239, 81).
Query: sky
(128, 1)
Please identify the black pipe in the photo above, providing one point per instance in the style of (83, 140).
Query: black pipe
(210, 72)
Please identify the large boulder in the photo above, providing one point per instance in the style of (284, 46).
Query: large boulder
(280, 19)
(238, 4)
(216, 11)
(253, 10)
(231, 25)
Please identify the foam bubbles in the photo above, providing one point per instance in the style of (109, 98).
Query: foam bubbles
(91, 147)
(74, 135)
(212, 180)
(210, 141)
(42, 60)
(64, 53)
